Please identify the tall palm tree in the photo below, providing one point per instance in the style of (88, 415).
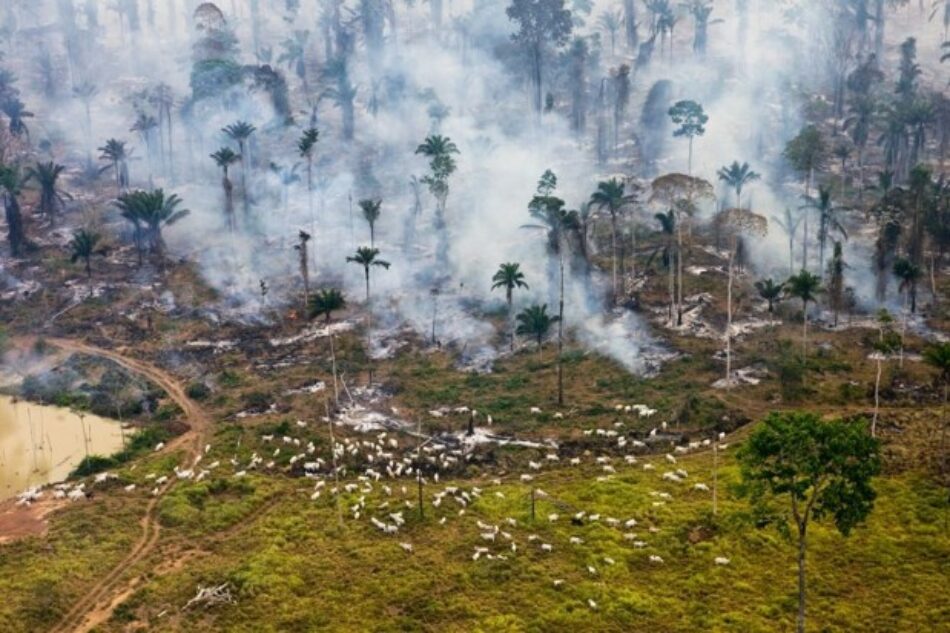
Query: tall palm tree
(367, 257)
(306, 146)
(909, 274)
(85, 245)
(145, 125)
(828, 221)
(11, 183)
(16, 112)
(293, 55)
(46, 176)
(115, 153)
(534, 321)
(789, 224)
(610, 22)
(240, 132)
(224, 158)
(509, 277)
(612, 195)
(326, 302)
(371, 211)
(737, 176)
(772, 293)
(439, 150)
(804, 286)
(666, 250)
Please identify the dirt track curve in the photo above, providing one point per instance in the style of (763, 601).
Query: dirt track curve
(97, 604)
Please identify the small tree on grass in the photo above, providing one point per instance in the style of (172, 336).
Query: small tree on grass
(534, 321)
(818, 469)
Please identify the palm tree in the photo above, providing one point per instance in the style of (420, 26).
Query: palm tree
(534, 321)
(326, 302)
(115, 153)
(827, 221)
(938, 357)
(16, 111)
(293, 55)
(366, 256)
(224, 158)
(145, 124)
(306, 146)
(804, 286)
(668, 231)
(737, 176)
(439, 150)
(11, 182)
(909, 274)
(84, 245)
(509, 277)
(47, 176)
(371, 212)
(612, 195)
(771, 292)
(240, 132)
(789, 224)
(611, 22)
(149, 212)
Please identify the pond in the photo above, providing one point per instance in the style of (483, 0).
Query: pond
(41, 444)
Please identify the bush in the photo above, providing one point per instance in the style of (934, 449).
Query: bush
(93, 464)
(198, 391)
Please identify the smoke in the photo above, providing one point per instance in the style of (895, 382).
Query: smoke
(461, 82)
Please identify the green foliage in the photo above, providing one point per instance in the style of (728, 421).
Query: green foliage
(821, 469)
(93, 464)
(212, 77)
(198, 391)
(690, 118)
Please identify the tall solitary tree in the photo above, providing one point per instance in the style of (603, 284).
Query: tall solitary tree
(224, 158)
(306, 146)
(613, 196)
(691, 119)
(301, 247)
(541, 24)
(804, 286)
(115, 153)
(371, 211)
(737, 176)
(817, 470)
(367, 257)
(772, 293)
(509, 277)
(240, 132)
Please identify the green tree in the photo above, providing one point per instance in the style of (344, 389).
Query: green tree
(301, 247)
(691, 119)
(666, 251)
(326, 302)
(240, 132)
(836, 289)
(85, 245)
(534, 321)
(224, 158)
(46, 176)
(804, 286)
(149, 212)
(772, 293)
(509, 277)
(371, 211)
(11, 184)
(909, 275)
(115, 153)
(817, 469)
(367, 257)
(737, 176)
(828, 221)
(612, 195)
(541, 24)
(306, 146)
(807, 153)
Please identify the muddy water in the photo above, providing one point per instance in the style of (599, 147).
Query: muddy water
(41, 444)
